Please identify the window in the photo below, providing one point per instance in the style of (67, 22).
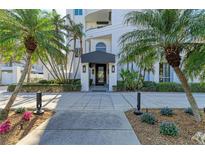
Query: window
(101, 47)
(164, 72)
(78, 12)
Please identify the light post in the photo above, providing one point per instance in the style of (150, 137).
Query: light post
(38, 110)
(137, 110)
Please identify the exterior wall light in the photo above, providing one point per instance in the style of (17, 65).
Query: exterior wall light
(84, 68)
(113, 68)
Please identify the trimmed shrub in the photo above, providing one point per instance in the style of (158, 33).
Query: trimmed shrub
(197, 87)
(169, 128)
(148, 118)
(189, 111)
(169, 87)
(163, 87)
(149, 86)
(166, 111)
(47, 87)
(120, 86)
(20, 110)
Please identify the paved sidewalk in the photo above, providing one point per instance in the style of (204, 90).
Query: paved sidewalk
(103, 101)
(83, 128)
(93, 118)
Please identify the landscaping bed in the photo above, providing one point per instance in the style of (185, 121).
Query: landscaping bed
(20, 128)
(150, 133)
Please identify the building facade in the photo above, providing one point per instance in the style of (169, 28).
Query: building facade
(10, 73)
(99, 62)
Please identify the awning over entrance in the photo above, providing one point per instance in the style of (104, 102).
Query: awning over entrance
(98, 57)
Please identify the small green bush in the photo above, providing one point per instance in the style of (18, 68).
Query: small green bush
(149, 86)
(2, 114)
(132, 80)
(43, 81)
(166, 111)
(169, 87)
(163, 86)
(197, 87)
(148, 118)
(20, 110)
(189, 111)
(169, 128)
(47, 87)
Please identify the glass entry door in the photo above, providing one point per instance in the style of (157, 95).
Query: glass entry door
(100, 74)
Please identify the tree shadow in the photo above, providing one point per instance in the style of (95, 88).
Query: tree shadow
(29, 127)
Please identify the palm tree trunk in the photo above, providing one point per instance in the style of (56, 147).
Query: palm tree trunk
(18, 86)
(46, 66)
(79, 56)
(189, 95)
(72, 59)
(29, 73)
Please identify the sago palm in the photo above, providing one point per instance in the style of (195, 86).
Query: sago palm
(169, 33)
(32, 31)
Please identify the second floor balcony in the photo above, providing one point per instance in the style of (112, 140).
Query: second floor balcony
(98, 19)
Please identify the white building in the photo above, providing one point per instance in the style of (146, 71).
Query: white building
(11, 73)
(99, 62)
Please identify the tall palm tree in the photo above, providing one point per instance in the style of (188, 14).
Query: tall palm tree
(80, 37)
(169, 33)
(30, 29)
(56, 62)
(74, 31)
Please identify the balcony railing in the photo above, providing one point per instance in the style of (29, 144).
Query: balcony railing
(98, 27)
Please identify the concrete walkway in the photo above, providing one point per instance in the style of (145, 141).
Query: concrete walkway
(84, 128)
(103, 101)
(93, 118)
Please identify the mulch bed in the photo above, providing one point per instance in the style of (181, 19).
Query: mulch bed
(150, 134)
(17, 132)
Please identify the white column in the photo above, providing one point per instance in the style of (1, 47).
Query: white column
(85, 77)
(112, 75)
(16, 74)
(156, 72)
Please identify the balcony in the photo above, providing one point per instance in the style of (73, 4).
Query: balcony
(99, 31)
(89, 11)
(98, 19)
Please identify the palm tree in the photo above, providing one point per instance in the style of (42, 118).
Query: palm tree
(30, 29)
(56, 62)
(80, 37)
(169, 33)
(74, 32)
(145, 62)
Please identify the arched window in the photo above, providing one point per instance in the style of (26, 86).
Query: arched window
(101, 47)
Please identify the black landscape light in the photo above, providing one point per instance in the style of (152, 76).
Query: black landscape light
(137, 111)
(39, 110)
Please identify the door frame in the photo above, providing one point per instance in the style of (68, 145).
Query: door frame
(96, 72)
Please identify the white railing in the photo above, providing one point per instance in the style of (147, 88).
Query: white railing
(89, 11)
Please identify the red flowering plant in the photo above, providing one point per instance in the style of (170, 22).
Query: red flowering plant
(5, 127)
(27, 116)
